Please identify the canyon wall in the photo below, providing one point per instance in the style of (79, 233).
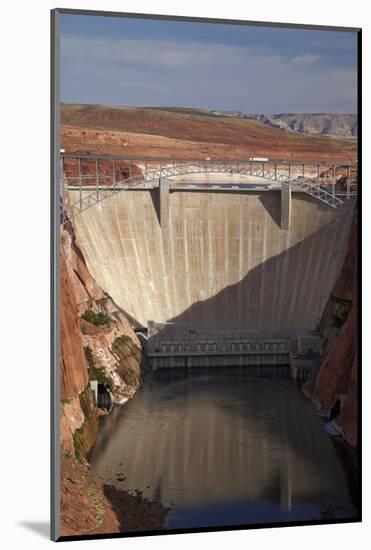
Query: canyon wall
(223, 263)
(328, 124)
(337, 376)
(97, 343)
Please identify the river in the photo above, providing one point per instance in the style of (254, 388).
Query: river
(224, 449)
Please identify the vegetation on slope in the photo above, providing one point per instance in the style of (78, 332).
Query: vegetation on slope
(97, 319)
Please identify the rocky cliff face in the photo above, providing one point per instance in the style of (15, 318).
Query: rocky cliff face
(339, 125)
(97, 343)
(337, 376)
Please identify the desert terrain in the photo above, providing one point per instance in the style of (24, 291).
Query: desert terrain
(189, 134)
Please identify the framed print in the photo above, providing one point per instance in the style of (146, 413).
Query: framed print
(206, 190)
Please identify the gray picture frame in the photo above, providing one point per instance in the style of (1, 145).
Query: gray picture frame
(55, 254)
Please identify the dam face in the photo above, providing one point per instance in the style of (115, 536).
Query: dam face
(223, 262)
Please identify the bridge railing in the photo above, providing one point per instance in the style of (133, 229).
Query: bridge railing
(317, 192)
(104, 176)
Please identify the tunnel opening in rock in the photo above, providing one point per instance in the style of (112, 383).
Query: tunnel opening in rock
(104, 399)
(335, 410)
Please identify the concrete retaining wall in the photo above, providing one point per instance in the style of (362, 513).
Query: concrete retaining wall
(267, 363)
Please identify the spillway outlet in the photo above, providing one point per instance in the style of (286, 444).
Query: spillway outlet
(293, 354)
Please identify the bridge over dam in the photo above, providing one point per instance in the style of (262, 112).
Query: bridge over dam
(247, 256)
(102, 176)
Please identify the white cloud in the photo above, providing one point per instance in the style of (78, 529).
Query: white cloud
(305, 59)
(142, 85)
(162, 53)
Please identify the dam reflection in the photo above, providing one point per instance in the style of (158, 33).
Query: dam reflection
(223, 448)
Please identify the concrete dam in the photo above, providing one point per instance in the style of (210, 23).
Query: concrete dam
(223, 261)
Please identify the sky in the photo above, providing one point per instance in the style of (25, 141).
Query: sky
(141, 62)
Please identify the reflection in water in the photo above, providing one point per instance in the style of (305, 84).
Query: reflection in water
(224, 449)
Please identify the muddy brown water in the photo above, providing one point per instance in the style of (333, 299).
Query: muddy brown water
(224, 449)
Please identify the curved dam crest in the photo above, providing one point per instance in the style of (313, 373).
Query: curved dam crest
(222, 263)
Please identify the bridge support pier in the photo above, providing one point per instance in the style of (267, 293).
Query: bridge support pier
(164, 203)
(285, 205)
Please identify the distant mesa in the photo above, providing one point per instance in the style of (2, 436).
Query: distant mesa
(327, 124)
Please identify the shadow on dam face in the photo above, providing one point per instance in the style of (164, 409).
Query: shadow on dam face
(222, 263)
(286, 291)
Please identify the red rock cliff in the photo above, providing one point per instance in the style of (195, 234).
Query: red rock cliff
(337, 376)
(74, 375)
(107, 351)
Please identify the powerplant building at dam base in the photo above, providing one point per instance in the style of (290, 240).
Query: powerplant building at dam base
(223, 281)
